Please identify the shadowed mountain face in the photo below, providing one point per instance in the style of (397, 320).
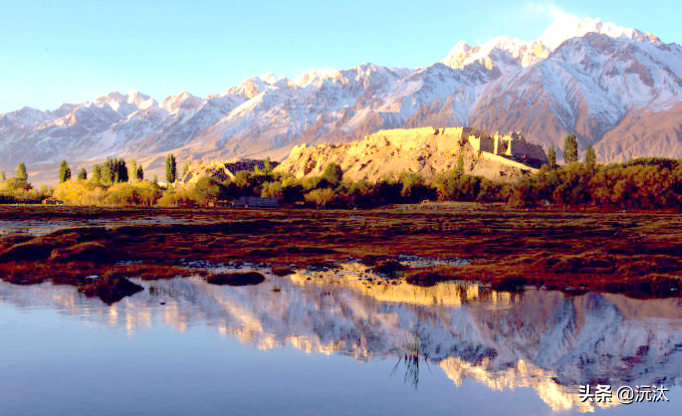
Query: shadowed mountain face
(543, 340)
(612, 86)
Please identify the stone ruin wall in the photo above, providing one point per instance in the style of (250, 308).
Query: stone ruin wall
(512, 146)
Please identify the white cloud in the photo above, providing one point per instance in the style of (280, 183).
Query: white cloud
(550, 12)
(528, 21)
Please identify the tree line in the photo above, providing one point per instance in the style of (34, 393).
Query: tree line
(644, 183)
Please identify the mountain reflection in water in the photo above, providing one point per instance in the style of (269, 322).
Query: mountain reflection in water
(547, 341)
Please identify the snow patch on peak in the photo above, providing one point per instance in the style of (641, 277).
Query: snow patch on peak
(269, 78)
(141, 101)
(251, 87)
(461, 46)
(113, 100)
(491, 54)
(182, 101)
(124, 104)
(317, 77)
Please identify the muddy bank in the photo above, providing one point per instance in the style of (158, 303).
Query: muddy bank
(639, 254)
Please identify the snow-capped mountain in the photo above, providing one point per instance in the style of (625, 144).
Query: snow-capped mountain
(618, 89)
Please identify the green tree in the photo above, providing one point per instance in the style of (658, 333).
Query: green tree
(96, 173)
(132, 170)
(551, 158)
(64, 172)
(114, 170)
(82, 174)
(139, 173)
(571, 149)
(590, 156)
(2, 176)
(333, 174)
(171, 169)
(107, 174)
(21, 171)
(460, 165)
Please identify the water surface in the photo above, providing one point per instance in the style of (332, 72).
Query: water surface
(307, 345)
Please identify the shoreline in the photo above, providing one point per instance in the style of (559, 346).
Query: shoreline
(638, 254)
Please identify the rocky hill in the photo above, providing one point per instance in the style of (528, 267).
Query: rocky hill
(222, 170)
(618, 89)
(425, 151)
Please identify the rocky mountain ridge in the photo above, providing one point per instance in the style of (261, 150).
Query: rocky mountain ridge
(618, 89)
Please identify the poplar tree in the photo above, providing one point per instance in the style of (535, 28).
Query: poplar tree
(83, 175)
(21, 171)
(139, 173)
(571, 149)
(64, 172)
(590, 156)
(551, 157)
(96, 173)
(171, 169)
(132, 169)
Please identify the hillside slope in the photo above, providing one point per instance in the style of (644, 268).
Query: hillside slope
(392, 152)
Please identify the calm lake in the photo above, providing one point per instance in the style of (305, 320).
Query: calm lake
(299, 346)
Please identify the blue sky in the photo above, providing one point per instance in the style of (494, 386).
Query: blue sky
(72, 51)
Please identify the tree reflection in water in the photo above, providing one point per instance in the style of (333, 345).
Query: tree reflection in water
(410, 357)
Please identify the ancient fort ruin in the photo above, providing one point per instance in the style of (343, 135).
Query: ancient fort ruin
(512, 146)
(426, 151)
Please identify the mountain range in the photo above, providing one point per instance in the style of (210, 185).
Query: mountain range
(617, 89)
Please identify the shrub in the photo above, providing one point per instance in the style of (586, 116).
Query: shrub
(15, 184)
(80, 193)
(205, 190)
(415, 188)
(138, 193)
(176, 198)
(272, 190)
(202, 192)
(320, 197)
(333, 175)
